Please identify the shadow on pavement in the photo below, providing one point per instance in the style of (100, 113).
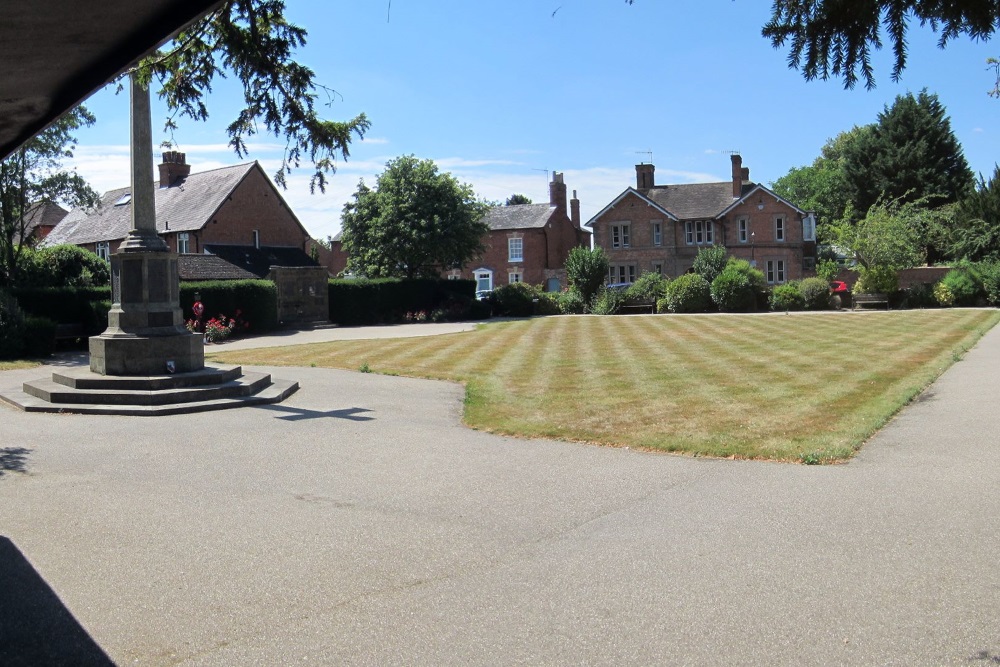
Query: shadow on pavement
(298, 414)
(35, 627)
(13, 459)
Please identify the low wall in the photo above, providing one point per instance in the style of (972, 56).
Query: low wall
(302, 293)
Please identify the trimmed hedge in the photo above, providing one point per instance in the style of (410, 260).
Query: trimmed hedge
(256, 299)
(68, 305)
(387, 300)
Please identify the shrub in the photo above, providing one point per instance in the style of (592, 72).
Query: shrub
(989, 274)
(943, 295)
(64, 266)
(384, 300)
(87, 306)
(815, 293)
(608, 301)
(649, 288)
(587, 270)
(690, 293)
(739, 288)
(878, 280)
(787, 297)
(39, 336)
(710, 262)
(919, 295)
(963, 287)
(522, 300)
(827, 270)
(571, 302)
(12, 327)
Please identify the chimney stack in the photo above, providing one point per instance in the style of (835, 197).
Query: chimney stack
(173, 168)
(574, 210)
(644, 176)
(557, 191)
(738, 175)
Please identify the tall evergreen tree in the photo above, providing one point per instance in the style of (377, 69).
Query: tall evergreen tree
(911, 153)
(976, 234)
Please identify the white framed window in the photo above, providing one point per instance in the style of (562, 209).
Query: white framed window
(513, 277)
(779, 228)
(621, 273)
(809, 228)
(103, 250)
(658, 267)
(657, 233)
(620, 236)
(453, 276)
(775, 271)
(515, 250)
(699, 232)
(484, 280)
(743, 229)
(183, 243)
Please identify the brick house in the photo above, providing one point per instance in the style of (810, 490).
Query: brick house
(525, 243)
(229, 206)
(529, 242)
(660, 228)
(40, 219)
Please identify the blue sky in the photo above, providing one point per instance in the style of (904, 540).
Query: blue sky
(500, 92)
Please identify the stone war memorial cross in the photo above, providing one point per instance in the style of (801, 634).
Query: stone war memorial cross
(146, 362)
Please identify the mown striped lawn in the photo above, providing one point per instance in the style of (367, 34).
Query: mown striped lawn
(807, 387)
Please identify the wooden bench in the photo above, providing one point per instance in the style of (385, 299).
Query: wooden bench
(637, 307)
(870, 299)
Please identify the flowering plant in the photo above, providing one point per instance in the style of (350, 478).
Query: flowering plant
(218, 328)
(417, 316)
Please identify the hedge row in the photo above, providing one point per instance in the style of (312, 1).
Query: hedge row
(386, 300)
(67, 305)
(257, 301)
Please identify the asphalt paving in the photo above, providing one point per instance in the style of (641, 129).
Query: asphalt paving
(359, 523)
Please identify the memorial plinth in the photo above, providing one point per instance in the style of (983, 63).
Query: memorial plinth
(146, 333)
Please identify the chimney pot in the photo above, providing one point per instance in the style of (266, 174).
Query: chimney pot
(557, 191)
(738, 175)
(644, 176)
(173, 168)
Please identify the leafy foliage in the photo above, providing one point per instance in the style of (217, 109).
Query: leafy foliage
(910, 154)
(876, 280)
(886, 238)
(571, 302)
(34, 175)
(736, 289)
(64, 266)
(587, 270)
(412, 223)
(787, 297)
(689, 293)
(649, 288)
(516, 200)
(386, 300)
(976, 233)
(815, 293)
(253, 41)
(963, 286)
(710, 262)
(827, 269)
(608, 301)
(833, 38)
(522, 300)
(943, 295)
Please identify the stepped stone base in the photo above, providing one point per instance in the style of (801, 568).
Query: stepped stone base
(211, 388)
(117, 354)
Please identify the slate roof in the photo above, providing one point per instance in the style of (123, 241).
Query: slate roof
(184, 207)
(210, 267)
(259, 261)
(695, 200)
(520, 216)
(40, 214)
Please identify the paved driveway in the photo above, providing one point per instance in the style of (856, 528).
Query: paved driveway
(360, 523)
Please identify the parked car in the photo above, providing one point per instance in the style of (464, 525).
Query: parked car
(620, 287)
(483, 295)
(838, 287)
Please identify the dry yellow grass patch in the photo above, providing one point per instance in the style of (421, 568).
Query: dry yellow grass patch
(807, 387)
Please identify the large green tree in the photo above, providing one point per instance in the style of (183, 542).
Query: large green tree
(837, 38)
(415, 222)
(886, 239)
(34, 174)
(252, 42)
(976, 233)
(911, 153)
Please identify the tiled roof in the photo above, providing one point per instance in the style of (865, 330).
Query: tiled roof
(210, 267)
(259, 261)
(186, 206)
(520, 216)
(695, 200)
(43, 214)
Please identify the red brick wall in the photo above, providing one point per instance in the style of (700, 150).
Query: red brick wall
(677, 256)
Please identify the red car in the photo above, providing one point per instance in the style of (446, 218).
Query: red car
(838, 287)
